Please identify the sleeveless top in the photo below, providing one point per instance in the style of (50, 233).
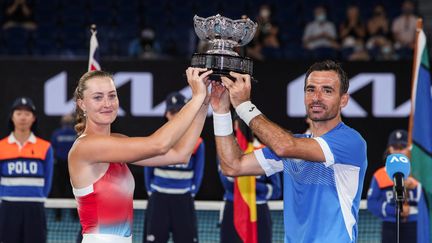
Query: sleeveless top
(106, 206)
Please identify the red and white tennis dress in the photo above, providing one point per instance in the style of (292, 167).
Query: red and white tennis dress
(105, 208)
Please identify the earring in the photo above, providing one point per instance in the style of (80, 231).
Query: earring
(84, 113)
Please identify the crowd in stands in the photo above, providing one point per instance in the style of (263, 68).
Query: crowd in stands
(347, 30)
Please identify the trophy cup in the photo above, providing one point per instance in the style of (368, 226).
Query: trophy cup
(223, 34)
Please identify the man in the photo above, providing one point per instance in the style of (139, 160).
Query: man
(323, 172)
(320, 35)
(404, 28)
(26, 165)
(172, 190)
(381, 201)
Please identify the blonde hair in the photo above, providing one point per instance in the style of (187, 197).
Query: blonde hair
(80, 116)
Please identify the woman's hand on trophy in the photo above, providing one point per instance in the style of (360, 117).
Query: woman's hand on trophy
(197, 81)
(219, 99)
(239, 89)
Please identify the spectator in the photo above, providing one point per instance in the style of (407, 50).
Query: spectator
(267, 188)
(381, 201)
(62, 140)
(171, 48)
(202, 46)
(254, 50)
(270, 43)
(352, 30)
(264, 21)
(146, 46)
(359, 53)
(404, 29)
(27, 163)
(265, 43)
(378, 43)
(19, 14)
(172, 190)
(352, 33)
(320, 35)
(387, 53)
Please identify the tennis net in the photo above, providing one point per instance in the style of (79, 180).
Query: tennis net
(66, 229)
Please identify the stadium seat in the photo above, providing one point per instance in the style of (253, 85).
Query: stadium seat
(16, 41)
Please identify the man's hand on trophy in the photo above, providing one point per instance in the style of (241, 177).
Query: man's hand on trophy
(239, 89)
(207, 82)
(219, 98)
(197, 79)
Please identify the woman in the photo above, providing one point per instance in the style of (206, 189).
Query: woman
(352, 33)
(352, 29)
(102, 183)
(379, 37)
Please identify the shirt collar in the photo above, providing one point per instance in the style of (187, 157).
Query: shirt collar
(12, 139)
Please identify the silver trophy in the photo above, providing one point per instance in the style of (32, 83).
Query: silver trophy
(223, 35)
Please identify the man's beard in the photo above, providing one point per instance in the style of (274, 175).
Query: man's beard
(326, 116)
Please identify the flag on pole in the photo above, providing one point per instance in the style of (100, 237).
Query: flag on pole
(93, 63)
(245, 212)
(420, 129)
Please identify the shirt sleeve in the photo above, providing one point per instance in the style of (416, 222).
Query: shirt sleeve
(54, 144)
(269, 161)
(49, 163)
(275, 183)
(199, 168)
(375, 200)
(395, 27)
(332, 30)
(343, 146)
(148, 175)
(227, 182)
(307, 33)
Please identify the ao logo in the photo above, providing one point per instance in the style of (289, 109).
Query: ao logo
(402, 159)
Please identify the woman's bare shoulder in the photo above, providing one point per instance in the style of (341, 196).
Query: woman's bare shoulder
(118, 135)
(88, 144)
(85, 142)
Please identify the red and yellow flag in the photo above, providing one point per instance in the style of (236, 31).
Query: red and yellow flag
(245, 212)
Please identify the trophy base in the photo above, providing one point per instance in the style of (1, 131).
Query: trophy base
(222, 64)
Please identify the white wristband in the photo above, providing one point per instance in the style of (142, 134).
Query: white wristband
(222, 124)
(247, 111)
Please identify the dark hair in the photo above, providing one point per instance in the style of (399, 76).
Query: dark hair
(11, 125)
(329, 65)
(79, 94)
(323, 6)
